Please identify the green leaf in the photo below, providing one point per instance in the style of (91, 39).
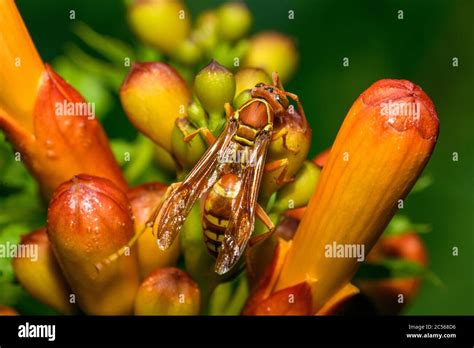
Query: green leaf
(395, 268)
(9, 236)
(401, 224)
(137, 161)
(91, 87)
(108, 73)
(111, 48)
(422, 183)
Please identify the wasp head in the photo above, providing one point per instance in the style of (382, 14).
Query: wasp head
(275, 96)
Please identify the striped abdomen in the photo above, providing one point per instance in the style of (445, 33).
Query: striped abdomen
(218, 209)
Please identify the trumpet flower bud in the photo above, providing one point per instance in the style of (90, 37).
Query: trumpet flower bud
(48, 122)
(188, 52)
(7, 311)
(168, 291)
(355, 198)
(235, 20)
(153, 96)
(89, 218)
(164, 160)
(385, 293)
(290, 145)
(297, 193)
(163, 24)
(22, 67)
(214, 85)
(273, 51)
(321, 158)
(247, 78)
(41, 276)
(187, 153)
(196, 114)
(145, 199)
(242, 98)
(206, 31)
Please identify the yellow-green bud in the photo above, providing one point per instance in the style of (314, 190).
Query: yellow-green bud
(247, 78)
(214, 85)
(273, 52)
(291, 142)
(242, 98)
(164, 159)
(189, 153)
(235, 20)
(188, 52)
(163, 24)
(298, 192)
(196, 114)
(205, 33)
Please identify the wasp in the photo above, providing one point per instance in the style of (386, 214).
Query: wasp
(229, 174)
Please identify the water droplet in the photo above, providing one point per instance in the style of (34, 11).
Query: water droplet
(51, 154)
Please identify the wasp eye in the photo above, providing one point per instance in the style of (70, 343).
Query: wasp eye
(270, 89)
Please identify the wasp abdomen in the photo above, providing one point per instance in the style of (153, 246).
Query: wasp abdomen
(218, 208)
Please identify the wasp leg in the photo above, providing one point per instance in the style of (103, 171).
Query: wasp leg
(262, 215)
(276, 165)
(281, 134)
(206, 133)
(113, 257)
(298, 103)
(229, 110)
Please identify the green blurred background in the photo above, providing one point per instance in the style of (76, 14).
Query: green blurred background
(419, 48)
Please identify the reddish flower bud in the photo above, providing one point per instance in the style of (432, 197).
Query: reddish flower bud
(153, 96)
(7, 311)
(168, 291)
(145, 199)
(385, 293)
(41, 276)
(89, 218)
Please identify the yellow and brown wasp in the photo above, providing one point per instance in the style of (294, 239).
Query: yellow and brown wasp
(229, 174)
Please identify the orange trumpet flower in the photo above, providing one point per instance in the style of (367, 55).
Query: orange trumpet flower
(50, 125)
(382, 147)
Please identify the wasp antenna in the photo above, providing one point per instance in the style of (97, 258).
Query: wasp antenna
(276, 81)
(114, 257)
(298, 103)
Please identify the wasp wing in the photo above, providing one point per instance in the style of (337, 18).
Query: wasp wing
(176, 206)
(242, 222)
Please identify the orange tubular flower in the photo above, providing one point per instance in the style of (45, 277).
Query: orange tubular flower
(47, 121)
(381, 149)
